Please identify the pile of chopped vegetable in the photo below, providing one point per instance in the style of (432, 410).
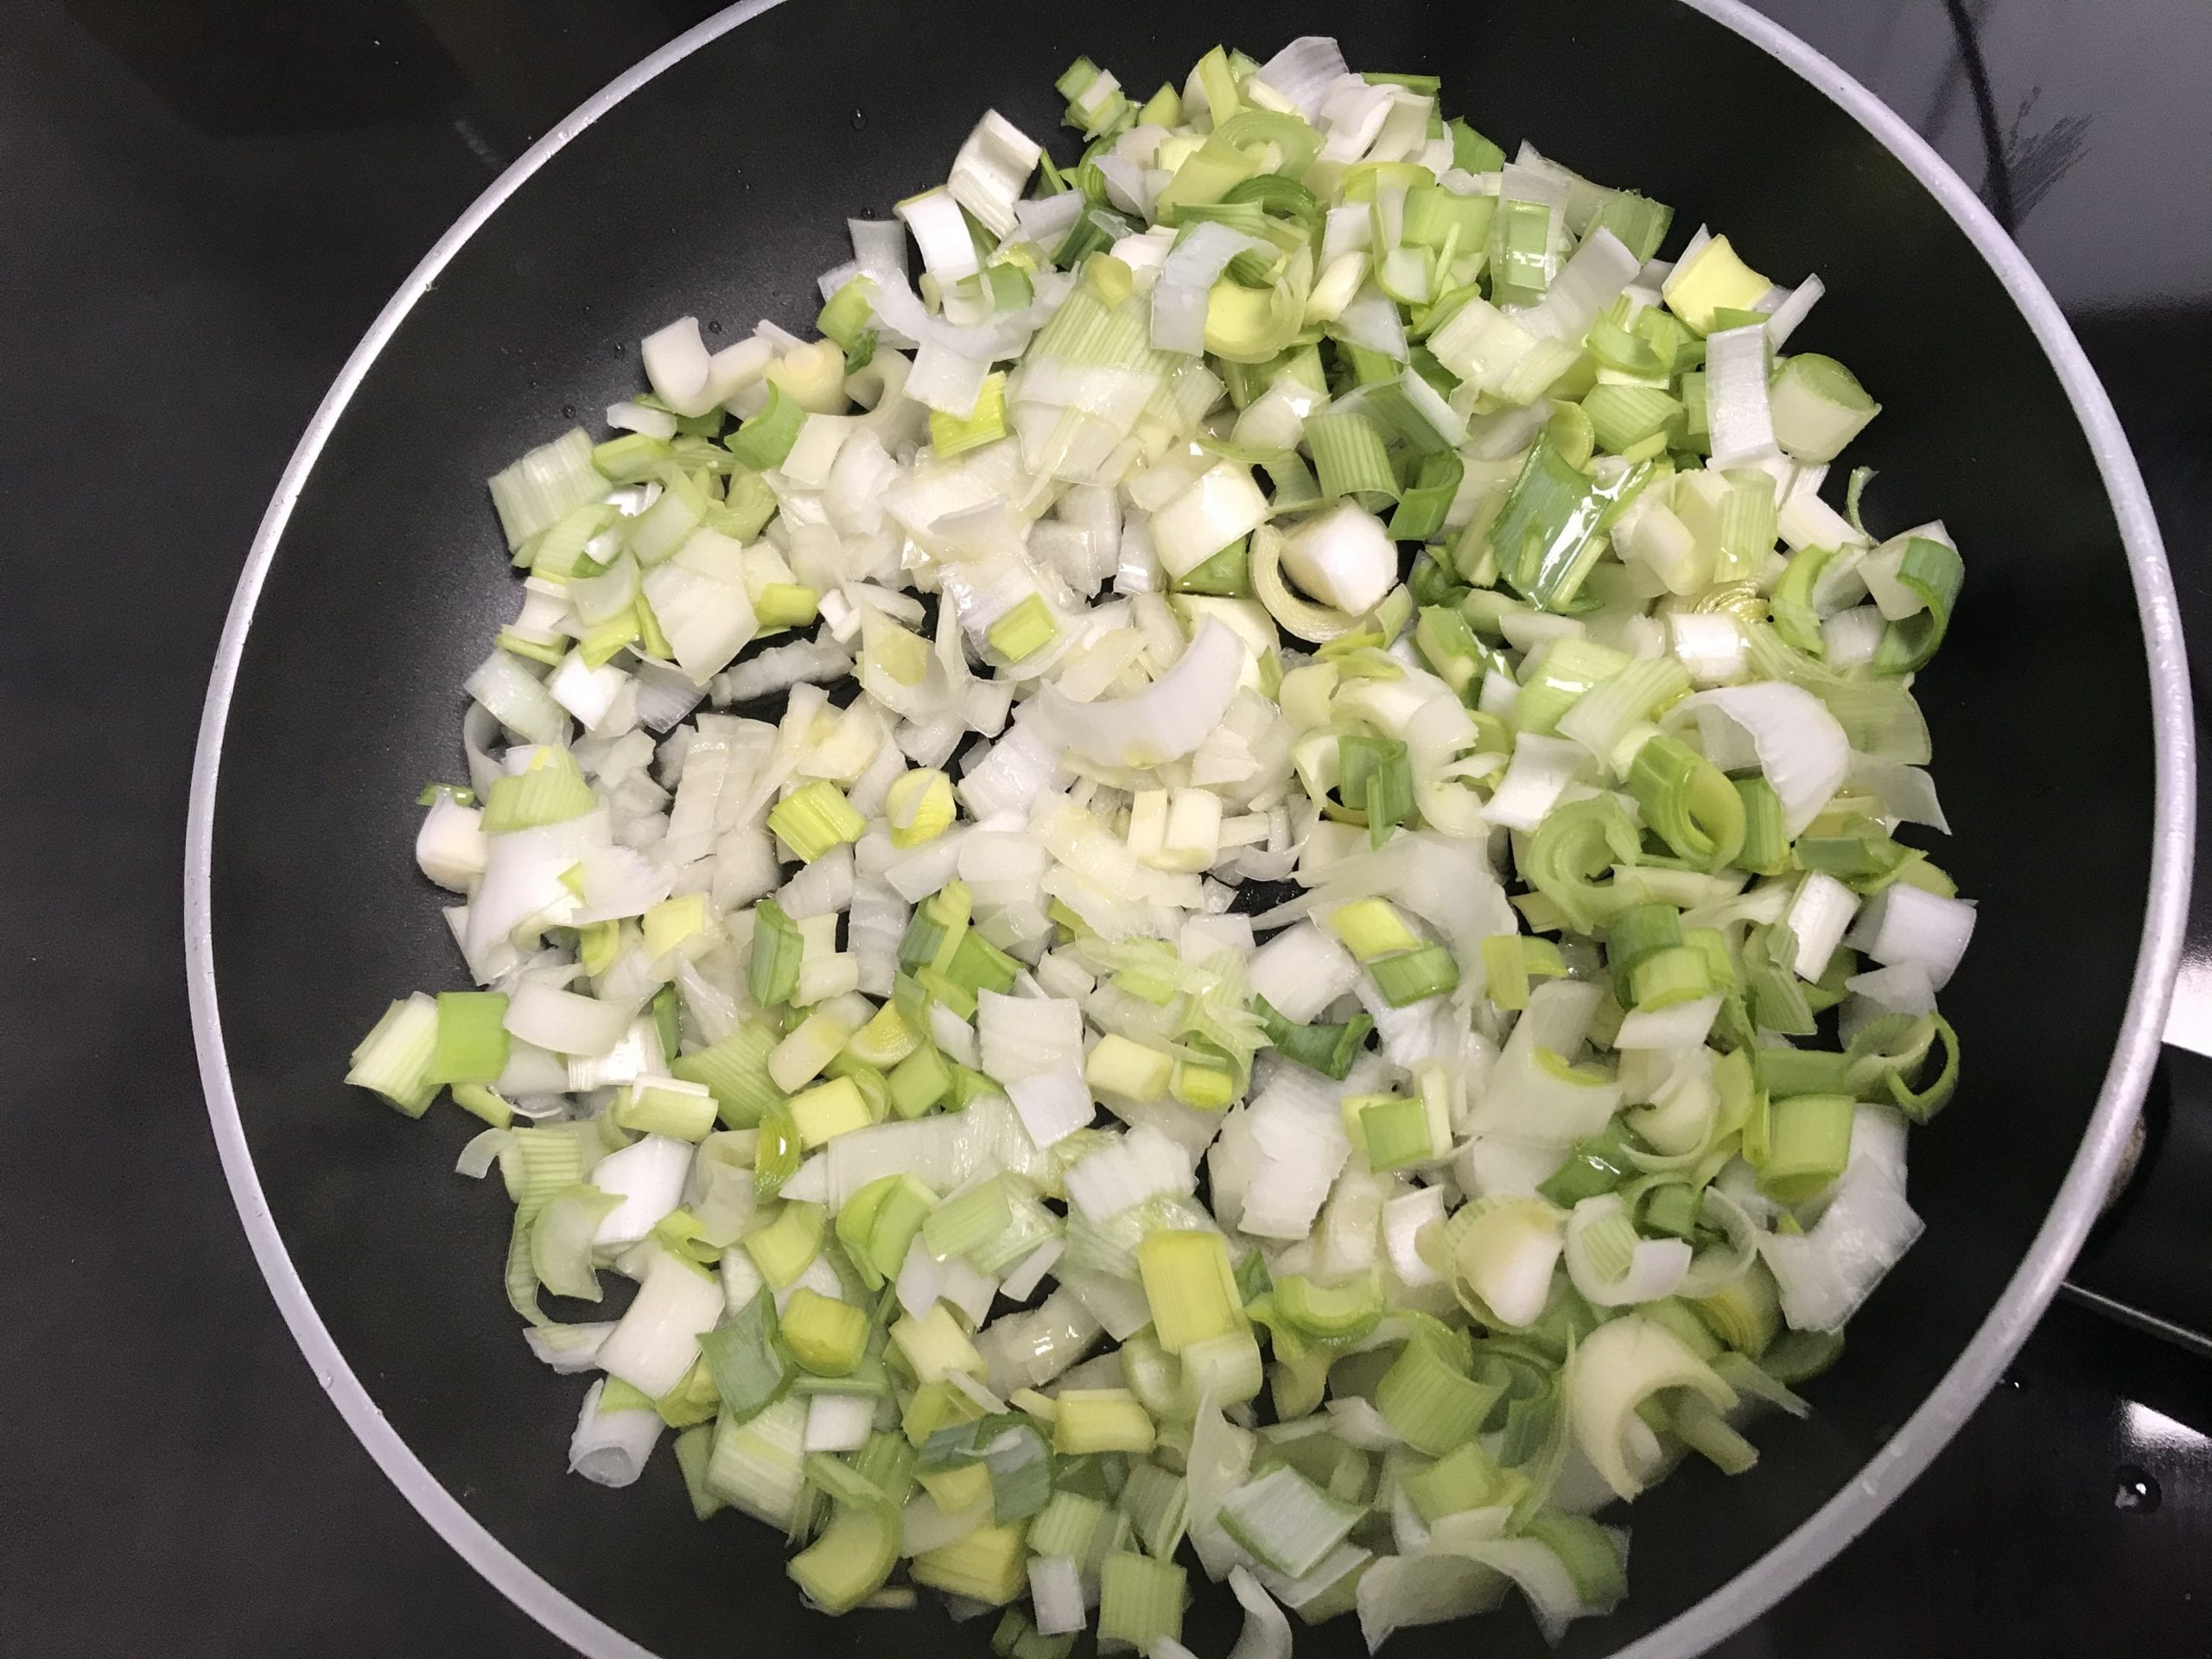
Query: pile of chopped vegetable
(1309, 957)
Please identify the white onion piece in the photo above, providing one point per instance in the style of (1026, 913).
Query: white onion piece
(1786, 730)
(1818, 916)
(1301, 971)
(610, 1447)
(1907, 793)
(679, 367)
(1737, 409)
(1371, 321)
(1591, 280)
(1683, 1026)
(1904, 923)
(1783, 318)
(989, 171)
(636, 417)
(1187, 277)
(1167, 720)
(1305, 72)
(941, 232)
(648, 1178)
(1618, 1365)
(1825, 1274)
(564, 1022)
(1344, 557)
(1540, 770)
(1656, 1267)
(1215, 508)
(1905, 988)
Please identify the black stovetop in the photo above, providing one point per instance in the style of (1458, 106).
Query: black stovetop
(205, 202)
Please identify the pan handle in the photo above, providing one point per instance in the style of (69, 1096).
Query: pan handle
(2144, 1263)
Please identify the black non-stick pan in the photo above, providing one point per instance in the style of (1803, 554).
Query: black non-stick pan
(714, 180)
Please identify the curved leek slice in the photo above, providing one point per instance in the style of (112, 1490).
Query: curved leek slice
(1316, 624)
(1571, 845)
(1610, 1265)
(1622, 1364)
(1499, 1255)
(1167, 720)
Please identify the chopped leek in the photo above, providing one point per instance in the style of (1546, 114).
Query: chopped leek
(1293, 499)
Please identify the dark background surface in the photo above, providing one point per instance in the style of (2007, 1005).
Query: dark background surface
(206, 204)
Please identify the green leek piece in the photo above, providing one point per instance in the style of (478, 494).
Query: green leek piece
(1393, 1131)
(1431, 1404)
(471, 1043)
(1931, 571)
(965, 1221)
(919, 1082)
(1511, 960)
(550, 790)
(1375, 778)
(1573, 843)
(630, 458)
(786, 604)
(736, 1070)
(1471, 152)
(1467, 1478)
(1797, 1356)
(1419, 515)
(827, 1111)
(1348, 458)
(1024, 630)
(1622, 416)
(854, 1554)
(394, 1058)
(665, 1106)
(1640, 932)
(950, 436)
(767, 439)
(1689, 803)
(1342, 1312)
(1189, 1285)
(1101, 1419)
(1765, 850)
(1412, 975)
(1818, 407)
(1204, 1082)
(777, 948)
(846, 313)
(1519, 249)
(979, 965)
(1287, 1522)
(1327, 1049)
(988, 1565)
(1118, 1065)
(1140, 1601)
(1228, 573)
(1448, 645)
(1713, 279)
(742, 1356)
(1371, 928)
(787, 1247)
(814, 818)
(1809, 1142)
(826, 1336)
(1639, 221)
(1545, 536)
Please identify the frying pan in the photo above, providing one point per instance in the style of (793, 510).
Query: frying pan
(714, 179)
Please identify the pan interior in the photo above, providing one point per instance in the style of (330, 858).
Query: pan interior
(721, 188)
